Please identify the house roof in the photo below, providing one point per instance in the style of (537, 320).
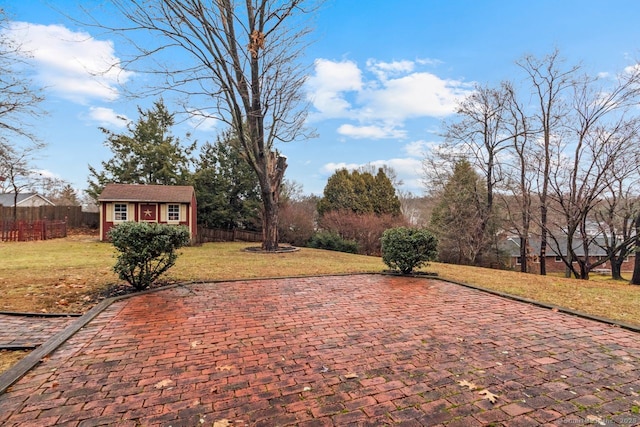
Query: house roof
(512, 247)
(6, 199)
(146, 193)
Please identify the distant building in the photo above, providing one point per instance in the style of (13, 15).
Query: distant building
(163, 204)
(24, 200)
(554, 260)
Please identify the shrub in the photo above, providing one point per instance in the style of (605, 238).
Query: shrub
(365, 229)
(333, 242)
(406, 249)
(147, 250)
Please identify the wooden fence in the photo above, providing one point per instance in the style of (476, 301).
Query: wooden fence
(23, 231)
(73, 215)
(219, 235)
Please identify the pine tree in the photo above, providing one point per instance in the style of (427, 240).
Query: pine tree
(146, 154)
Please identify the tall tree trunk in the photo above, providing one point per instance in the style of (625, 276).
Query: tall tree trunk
(635, 279)
(275, 167)
(523, 254)
(543, 238)
(616, 267)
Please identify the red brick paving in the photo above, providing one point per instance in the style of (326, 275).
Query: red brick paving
(331, 351)
(30, 331)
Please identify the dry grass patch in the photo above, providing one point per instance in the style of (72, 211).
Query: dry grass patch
(10, 358)
(62, 275)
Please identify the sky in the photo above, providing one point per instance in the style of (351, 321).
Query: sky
(384, 75)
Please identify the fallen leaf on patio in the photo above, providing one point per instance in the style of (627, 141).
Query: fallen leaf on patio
(306, 388)
(465, 383)
(54, 384)
(351, 376)
(324, 369)
(489, 396)
(163, 383)
(222, 423)
(225, 367)
(194, 344)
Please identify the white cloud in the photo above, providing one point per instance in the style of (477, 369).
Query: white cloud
(414, 95)
(327, 85)
(371, 132)
(74, 65)
(202, 121)
(332, 167)
(417, 148)
(107, 117)
(385, 69)
(382, 97)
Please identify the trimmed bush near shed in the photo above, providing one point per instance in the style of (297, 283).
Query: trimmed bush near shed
(147, 250)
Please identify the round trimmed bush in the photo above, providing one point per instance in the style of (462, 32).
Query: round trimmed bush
(405, 249)
(146, 250)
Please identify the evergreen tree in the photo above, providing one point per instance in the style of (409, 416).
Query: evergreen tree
(226, 187)
(146, 154)
(360, 193)
(458, 218)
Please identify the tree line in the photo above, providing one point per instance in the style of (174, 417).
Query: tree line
(553, 161)
(357, 205)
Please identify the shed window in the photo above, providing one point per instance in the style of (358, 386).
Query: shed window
(173, 212)
(120, 211)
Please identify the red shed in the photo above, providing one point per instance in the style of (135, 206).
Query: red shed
(164, 204)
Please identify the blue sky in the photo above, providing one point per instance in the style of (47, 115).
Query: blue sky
(383, 75)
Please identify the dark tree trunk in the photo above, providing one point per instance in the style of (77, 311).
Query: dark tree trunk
(523, 254)
(543, 240)
(635, 279)
(616, 267)
(275, 166)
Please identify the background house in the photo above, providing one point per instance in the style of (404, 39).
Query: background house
(24, 200)
(164, 204)
(554, 263)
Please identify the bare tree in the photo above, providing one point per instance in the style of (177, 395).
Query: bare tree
(602, 136)
(549, 81)
(615, 218)
(635, 279)
(242, 66)
(519, 179)
(17, 171)
(19, 99)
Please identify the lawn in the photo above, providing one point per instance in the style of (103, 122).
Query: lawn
(65, 275)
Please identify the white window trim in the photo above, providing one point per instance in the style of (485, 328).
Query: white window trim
(169, 220)
(115, 212)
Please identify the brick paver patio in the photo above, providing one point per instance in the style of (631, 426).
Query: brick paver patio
(29, 331)
(332, 351)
